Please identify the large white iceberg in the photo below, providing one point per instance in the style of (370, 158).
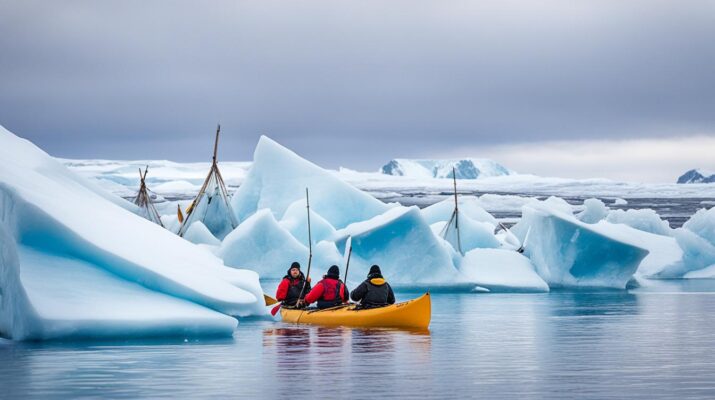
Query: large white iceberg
(71, 254)
(569, 252)
(279, 177)
(402, 243)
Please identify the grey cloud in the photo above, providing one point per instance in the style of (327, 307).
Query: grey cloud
(351, 83)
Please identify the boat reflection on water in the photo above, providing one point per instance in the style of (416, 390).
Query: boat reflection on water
(310, 343)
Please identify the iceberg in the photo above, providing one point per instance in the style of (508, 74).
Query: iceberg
(198, 233)
(501, 270)
(66, 244)
(401, 242)
(261, 244)
(702, 223)
(468, 168)
(295, 220)
(280, 177)
(569, 252)
(594, 211)
(469, 206)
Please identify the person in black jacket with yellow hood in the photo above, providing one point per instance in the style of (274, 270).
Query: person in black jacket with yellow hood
(374, 291)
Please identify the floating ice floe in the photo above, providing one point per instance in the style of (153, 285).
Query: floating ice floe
(569, 252)
(501, 270)
(76, 263)
(279, 177)
(261, 244)
(402, 243)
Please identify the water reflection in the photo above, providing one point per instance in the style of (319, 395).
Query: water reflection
(598, 344)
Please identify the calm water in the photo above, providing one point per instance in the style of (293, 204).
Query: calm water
(646, 343)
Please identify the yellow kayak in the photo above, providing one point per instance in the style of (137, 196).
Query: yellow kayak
(415, 313)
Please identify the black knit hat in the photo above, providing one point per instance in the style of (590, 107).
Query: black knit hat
(295, 264)
(333, 272)
(374, 272)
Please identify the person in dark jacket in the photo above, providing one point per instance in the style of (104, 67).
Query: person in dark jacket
(290, 287)
(374, 291)
(330, 291)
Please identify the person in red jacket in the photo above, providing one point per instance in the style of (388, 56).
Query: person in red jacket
(289, 290)
(329, 292)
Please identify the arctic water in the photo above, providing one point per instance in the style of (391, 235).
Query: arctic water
(650, 342)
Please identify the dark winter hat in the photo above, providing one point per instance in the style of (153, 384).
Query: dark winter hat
(333, 272)
(374, 272)
(295, 264)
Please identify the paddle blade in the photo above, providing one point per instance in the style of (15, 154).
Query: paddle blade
(275, 309)
(269, 300)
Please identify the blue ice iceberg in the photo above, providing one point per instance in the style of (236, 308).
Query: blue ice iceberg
(261, 244)
(568, 252)
(279, 177)
(76, 263)
(402, 243)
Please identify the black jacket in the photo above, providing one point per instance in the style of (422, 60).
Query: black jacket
(375, 292)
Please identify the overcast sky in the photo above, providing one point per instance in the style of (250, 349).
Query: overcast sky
(550, 87)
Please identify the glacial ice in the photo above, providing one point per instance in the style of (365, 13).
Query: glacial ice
(51, 219)
(295, 220)
(468, 205)
(469, 168)
(198, 233)
(402, 243)
(594, 211)
(279, 177)
(568, 252)
(261, 244)
(646, 220)
(702, 223)
(501, 270)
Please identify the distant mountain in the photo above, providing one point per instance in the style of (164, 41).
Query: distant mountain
(697, 176)
(468, 168)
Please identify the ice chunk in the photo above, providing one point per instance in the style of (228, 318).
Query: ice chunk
(198, 233)
(698, 254)
(295, 220)
(645, 220)
(468, 205)
(619, 202)
(501, 270)
(279, 177)
(464, 234)
(702, 223)
(594, 211)
(705, 273)
(261, 244)
(401, 242)
(568, 252)
(45, 208)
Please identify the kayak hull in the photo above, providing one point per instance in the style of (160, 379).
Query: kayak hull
(415, 314)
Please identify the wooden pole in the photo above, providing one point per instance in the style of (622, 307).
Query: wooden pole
(456, 210)
(218, 129)
(310, 246)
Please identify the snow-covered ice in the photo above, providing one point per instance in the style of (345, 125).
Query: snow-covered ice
(568, 252)
(279, 177)
(468, 168)
(51, 219)
(501, 270)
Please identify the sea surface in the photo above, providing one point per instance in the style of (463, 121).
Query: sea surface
(653, 342)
